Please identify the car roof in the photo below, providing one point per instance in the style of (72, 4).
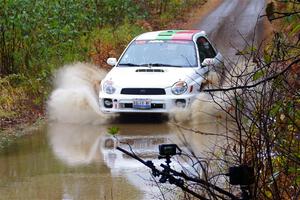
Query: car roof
(170, 35)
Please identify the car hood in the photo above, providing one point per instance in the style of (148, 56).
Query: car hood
(148, 77)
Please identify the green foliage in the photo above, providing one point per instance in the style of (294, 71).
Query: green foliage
(113, 130)
(296, 29)
(258, 75)
(11, 91)
(114, 12)
(36, 33)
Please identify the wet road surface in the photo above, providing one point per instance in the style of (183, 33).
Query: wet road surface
(67, 161)
(234, 24)
(73, 161)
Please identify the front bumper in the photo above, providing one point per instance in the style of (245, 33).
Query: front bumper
(158, 103)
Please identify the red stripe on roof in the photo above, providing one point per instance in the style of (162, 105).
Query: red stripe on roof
(184, 35)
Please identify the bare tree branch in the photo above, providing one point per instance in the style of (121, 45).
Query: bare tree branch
(256, 84)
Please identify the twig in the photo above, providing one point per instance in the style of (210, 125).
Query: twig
(256, 84)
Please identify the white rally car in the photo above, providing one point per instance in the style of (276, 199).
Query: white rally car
(157, 72)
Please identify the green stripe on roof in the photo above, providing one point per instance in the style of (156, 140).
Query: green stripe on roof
(166, 35)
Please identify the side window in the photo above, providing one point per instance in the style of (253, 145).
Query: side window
(205, 49)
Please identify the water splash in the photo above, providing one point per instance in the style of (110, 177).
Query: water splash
(217, 106)
(206, 108)
(75, 97)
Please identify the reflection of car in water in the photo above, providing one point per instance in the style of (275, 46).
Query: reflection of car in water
(143, 146)
(85, 144)
(157, 72)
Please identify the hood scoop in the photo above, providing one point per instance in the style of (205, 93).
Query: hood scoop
(149, 70)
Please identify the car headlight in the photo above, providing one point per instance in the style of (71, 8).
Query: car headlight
(179, 87)
(108, 87)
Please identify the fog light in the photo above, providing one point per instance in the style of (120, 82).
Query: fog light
(181, 103)
(108, 103)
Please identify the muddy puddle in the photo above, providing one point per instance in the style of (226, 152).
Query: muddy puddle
(68, 161)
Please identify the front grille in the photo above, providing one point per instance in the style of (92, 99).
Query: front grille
(153, 105)
(143, 91)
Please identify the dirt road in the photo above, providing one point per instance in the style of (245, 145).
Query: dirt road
(233, 24)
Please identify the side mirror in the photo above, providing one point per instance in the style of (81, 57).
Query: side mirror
(111, 61)
(208, 62)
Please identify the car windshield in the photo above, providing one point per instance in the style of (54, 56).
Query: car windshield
(167, 53)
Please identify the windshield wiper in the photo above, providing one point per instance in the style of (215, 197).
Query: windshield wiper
(128, 64)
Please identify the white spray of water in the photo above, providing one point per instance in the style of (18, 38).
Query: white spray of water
(75, 97)
(205, 109)
(213, 107)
